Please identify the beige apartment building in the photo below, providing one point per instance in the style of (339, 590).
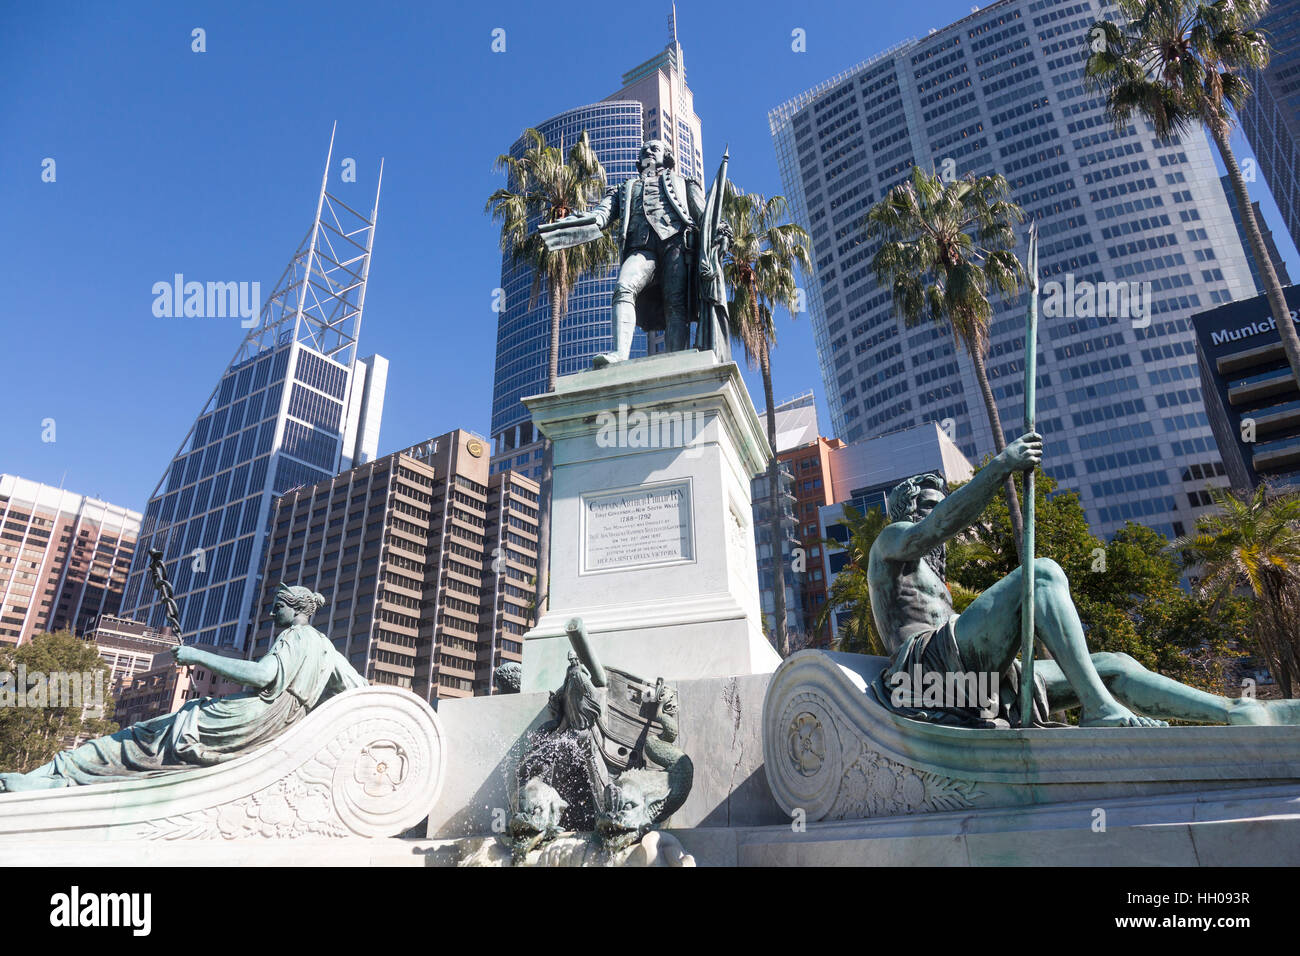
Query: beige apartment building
(63, 558)
(129, 648)
(166, 686)
(425, 561)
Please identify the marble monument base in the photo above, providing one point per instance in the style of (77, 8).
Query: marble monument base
(720, 727)
(1250, 827)
(652, 538)
(1257, 826)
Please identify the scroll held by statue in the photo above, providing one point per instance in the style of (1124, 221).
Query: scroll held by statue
(566, 233)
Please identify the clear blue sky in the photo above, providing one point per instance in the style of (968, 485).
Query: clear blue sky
(208, 164)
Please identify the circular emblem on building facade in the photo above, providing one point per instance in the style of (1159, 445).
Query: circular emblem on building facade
(474, 447)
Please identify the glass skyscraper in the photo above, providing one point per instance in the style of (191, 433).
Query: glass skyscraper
(1271, 116)
(1279, 266)
(294, 406)
(523, 333)
(1001, 91)
(653, 101)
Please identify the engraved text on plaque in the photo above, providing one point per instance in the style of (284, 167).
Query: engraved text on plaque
(640, 527)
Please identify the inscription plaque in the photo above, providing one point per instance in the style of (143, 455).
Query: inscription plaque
(637, 528)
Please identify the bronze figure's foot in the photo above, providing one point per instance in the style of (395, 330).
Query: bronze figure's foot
(1117, 716)
(1247, 710)
(19, 782)
(606, 358)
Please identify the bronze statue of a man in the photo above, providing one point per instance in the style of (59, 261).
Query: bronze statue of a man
(663, 216)
(914, 615)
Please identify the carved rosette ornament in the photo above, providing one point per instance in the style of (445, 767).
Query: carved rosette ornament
(807, 744)
(806, 769)
(367, 780)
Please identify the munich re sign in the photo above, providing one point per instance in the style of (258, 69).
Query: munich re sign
(1268, 324)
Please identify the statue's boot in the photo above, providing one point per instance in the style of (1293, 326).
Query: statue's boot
(624, 330)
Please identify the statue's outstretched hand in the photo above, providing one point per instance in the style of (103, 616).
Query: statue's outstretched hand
(1025, 453)
(185, 654)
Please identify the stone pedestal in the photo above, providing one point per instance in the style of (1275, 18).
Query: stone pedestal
(652, 540)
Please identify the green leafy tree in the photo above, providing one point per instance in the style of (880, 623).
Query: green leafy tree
(1181, 64)
(1252, 544)
(32, 735)
(1128, 591)
(543, 185)
(849, 596)
(944, 248)
(760, 270)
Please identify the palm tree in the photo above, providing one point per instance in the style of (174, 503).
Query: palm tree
(1180, 64)
(1253, 542)
(849, 593)
(759, 268)
(543, 186)
(943, 246)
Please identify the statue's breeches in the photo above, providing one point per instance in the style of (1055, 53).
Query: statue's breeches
(661, 260)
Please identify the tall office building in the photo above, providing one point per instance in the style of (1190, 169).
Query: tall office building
(811, 484)
(164, 688)
(1250, 392)
(63, 558)
(652, 101)
(130, 648)
(1271, 116)
(1279, 266)
(667, 103)
(796, 426)
(860, 476)
(424, 560)
(294, 406)
(1001, 91)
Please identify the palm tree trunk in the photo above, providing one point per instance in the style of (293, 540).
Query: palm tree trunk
(999, 443)
(559, 300)
(1275, 636)
(1272, 287)
(775, 530)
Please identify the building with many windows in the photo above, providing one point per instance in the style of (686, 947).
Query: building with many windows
(130, 648)
(801, 454)
(1136, 236)
(164, 688)
(653, 101)
(424, 559)
(1279, 266)
(1250, 392)
(765, 552)
(860, 475)
(811, 480)
(1270, 118)
(63, 558)
(294, 406)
